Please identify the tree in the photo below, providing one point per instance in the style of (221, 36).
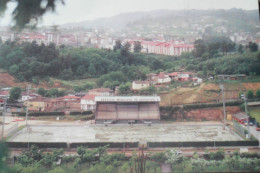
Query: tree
(200, 48)
(125, 52)
(81, 70)
(14, 69)
(15, 93)
(118, 44)
(258, 94)
(3, 157)
(42, 92)
(124, 88)
(159, 157)
(249, 94)
(240, 48)
(89, 85)
(92, 70)
(137, 47)
(24, 16)
(253, 47)
(78, 88)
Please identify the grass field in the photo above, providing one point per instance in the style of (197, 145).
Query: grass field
(73, 83)
(255, 112)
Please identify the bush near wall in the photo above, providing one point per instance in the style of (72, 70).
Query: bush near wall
(40, 113)
(81, 113)
(211, 105)
(167, 112)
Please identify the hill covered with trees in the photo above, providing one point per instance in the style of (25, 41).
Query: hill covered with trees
(32, 62)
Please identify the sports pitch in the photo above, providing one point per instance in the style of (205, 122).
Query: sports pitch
(124, 133)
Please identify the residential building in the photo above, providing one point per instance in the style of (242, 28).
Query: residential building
(184, 76)
(4, 93)
(166, 48)
(160, 78)
(174, 75)
(138, 85)
(36, 104)
(25, 97)
(88, 102)
(163, 78)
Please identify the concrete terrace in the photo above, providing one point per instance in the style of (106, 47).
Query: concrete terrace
(124, 133)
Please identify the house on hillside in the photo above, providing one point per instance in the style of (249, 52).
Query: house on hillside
(151, 76)
(88, 103)
(101, 92)
(174, 75)
(159, 79)
(25, 97)
(184, 76)
(138, 85)
(72, 103)
(163, 78)
(37, 104)
(4, 93)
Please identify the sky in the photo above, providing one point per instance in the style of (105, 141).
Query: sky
(81, 10)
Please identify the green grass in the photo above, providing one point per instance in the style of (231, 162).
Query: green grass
(255, 112)
(73, 83)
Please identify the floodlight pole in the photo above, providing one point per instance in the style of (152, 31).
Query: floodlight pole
(3, 126)
(27, 105)
(247, 116)
(224, 103)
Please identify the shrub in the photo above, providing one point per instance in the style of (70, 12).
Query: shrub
(258, 94)
(81, 113)
(250, 94)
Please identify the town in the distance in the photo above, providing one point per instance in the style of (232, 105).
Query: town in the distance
(157, 91)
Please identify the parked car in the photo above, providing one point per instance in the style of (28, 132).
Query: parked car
(251, 123)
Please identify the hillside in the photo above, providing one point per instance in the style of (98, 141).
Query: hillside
(206, 93)
(178, 23)
(194, 22)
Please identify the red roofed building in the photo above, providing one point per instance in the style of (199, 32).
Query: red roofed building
(4, 94)
(88, 102)
(39, 38)
(165, 48)
(174, 75)
(160, 78)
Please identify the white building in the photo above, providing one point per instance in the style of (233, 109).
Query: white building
(138, 85)
(88, 102)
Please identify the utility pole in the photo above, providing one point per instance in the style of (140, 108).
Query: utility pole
(28, 87)
(4, 110)
(247, 116)
(223, 100)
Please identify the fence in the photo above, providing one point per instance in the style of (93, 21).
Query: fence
(239, 129)
(9, 131)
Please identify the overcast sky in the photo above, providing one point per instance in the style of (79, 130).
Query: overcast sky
(80, 10)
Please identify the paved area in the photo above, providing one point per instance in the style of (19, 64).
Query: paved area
(124, 133)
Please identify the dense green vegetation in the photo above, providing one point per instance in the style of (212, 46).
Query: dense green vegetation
(98, 161)
(32, 62)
